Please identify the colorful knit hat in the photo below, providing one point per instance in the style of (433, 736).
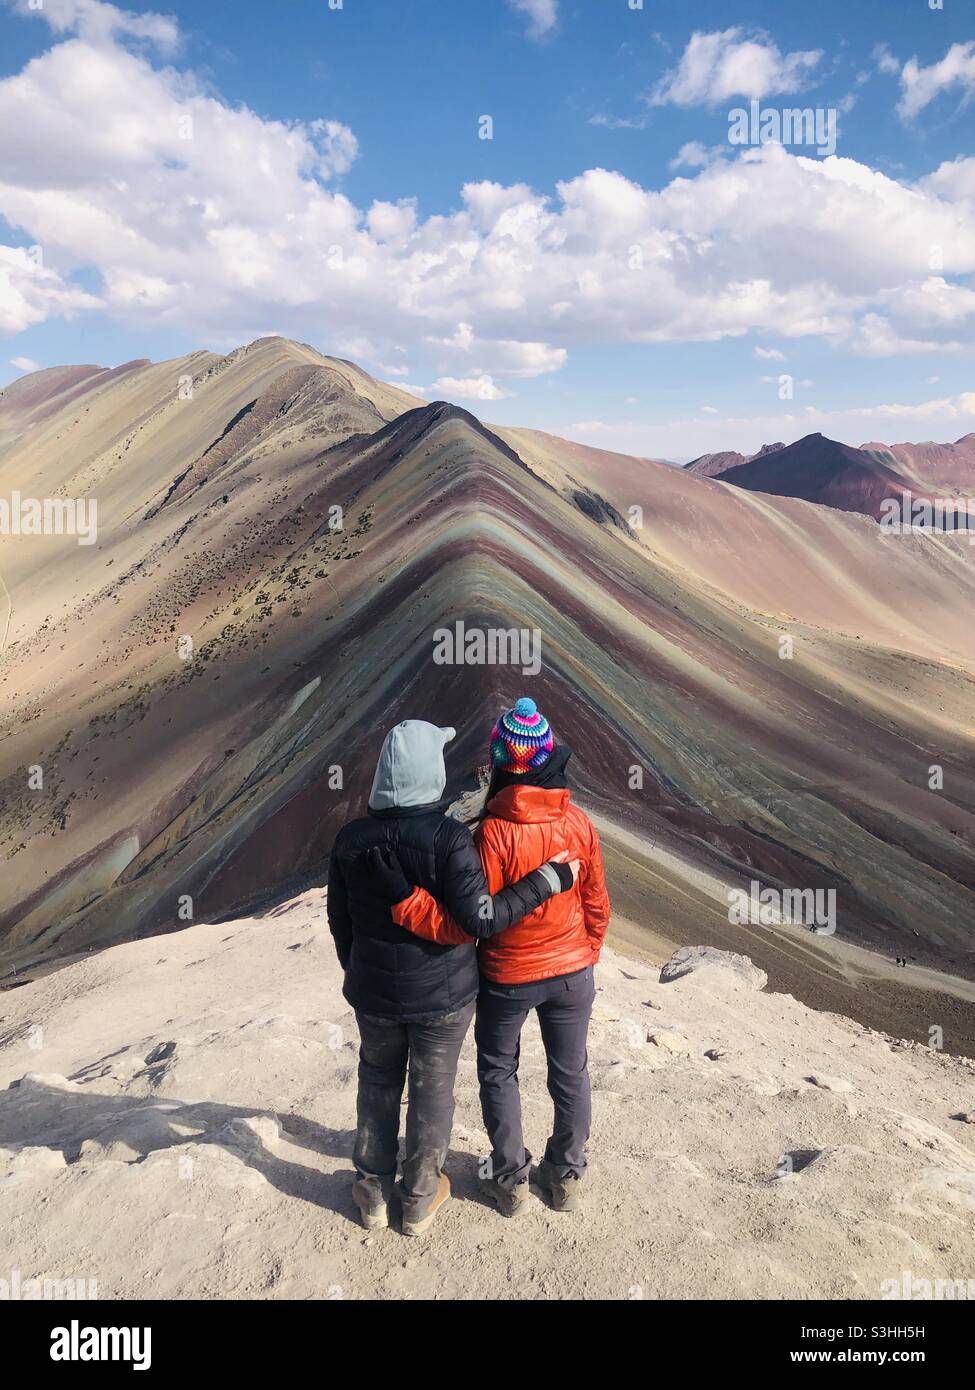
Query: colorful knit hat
(521, 739)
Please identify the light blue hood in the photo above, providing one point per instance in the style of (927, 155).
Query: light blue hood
(411, 770)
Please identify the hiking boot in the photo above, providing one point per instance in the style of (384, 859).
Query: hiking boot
(372, 1197)
(564, 1191)
(510, 1201)
(419, 1217)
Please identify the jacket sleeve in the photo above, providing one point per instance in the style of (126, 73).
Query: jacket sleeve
(469, 909)
(423, 916)
(595, 899)
(337, 908)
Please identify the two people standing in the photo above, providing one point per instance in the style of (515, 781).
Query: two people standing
(431, 925)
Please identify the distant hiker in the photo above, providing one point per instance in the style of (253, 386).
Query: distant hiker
(414, 999)
(543, 963)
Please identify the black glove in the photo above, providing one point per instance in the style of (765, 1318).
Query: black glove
(387, 876)
(564, 873)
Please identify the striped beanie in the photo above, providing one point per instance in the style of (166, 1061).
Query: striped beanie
(521, 739)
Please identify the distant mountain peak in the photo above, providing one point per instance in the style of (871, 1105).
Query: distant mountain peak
(713, 465)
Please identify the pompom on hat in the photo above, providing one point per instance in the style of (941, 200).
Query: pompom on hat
(521, 740)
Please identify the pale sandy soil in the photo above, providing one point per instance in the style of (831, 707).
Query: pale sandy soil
(182, 1127)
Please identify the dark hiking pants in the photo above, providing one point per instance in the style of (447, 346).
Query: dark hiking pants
(564, 1005)
(430, 1049)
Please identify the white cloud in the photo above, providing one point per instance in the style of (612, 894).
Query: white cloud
(936, 303)
(239, 229)
(709, 410)
(619, 122)
(97, 22)
(470, 388)
(717, 66)
(503, 356)
(694, 155)
(336, 147)
(954, 179)
(768, 354)
(31, 293)
(688, 437)
(875, 336)
(920, 86)
(960, 407)
(393, 223)
(542, 15)
(885, 60)
(25, 364)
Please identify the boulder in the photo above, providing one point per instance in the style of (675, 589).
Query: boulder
(691, 959)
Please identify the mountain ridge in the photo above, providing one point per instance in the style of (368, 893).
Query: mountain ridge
(818, 469)
(713, 465)
(206, 776)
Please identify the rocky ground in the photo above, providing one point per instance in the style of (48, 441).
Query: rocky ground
(176, 1121)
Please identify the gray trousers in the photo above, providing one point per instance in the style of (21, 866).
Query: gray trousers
(564, 1006)
(429, 1049)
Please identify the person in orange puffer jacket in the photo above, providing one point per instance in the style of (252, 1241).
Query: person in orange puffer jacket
(544, 962)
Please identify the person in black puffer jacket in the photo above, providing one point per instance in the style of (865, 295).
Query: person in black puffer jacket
(413, 999)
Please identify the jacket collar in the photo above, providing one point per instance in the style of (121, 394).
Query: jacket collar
(527, 804)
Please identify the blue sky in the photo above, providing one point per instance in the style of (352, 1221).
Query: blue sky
(607, 265)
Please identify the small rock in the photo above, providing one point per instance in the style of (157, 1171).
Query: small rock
(967, 1117)
(714, 1054)
(830, 1083)
(250, 1132)
(671, 1041)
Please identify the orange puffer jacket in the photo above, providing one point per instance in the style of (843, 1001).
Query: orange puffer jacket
(525, 827)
